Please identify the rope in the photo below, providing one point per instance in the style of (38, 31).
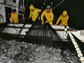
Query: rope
(59, 4)
(44, 2)
(77, 47)
(51, 4)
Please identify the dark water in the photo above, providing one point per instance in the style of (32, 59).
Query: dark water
(22, 52)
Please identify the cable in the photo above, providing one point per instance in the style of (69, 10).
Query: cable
(44, 2)
(59, 4)
(55, 16)
(51, 4)
(51, 7)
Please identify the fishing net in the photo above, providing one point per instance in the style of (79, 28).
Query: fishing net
(41, 34)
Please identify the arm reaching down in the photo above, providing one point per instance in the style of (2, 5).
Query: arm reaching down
(42, 15)
(30, 15)
(11, 18)
(58, 20)
(52, 17)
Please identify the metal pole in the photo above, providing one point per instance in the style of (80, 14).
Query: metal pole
(59, 4)
(17, 4)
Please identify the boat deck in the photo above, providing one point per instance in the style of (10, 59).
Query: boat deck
(11, 31)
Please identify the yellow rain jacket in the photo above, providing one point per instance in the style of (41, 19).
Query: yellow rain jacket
(49, 16)
(14, 18)
(34, 14)
(64, 20)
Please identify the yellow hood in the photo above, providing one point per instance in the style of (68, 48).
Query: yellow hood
(31, 7)
(64, 13)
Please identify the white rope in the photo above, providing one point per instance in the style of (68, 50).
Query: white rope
(59, 4)
(79, 52)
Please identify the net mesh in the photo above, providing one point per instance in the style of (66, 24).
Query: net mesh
(41, 34)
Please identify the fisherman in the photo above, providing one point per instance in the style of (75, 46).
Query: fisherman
(14, 16)
(64, 20)
(34, 12)
(48, 15)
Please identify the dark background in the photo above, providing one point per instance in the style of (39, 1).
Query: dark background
(75, 9)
